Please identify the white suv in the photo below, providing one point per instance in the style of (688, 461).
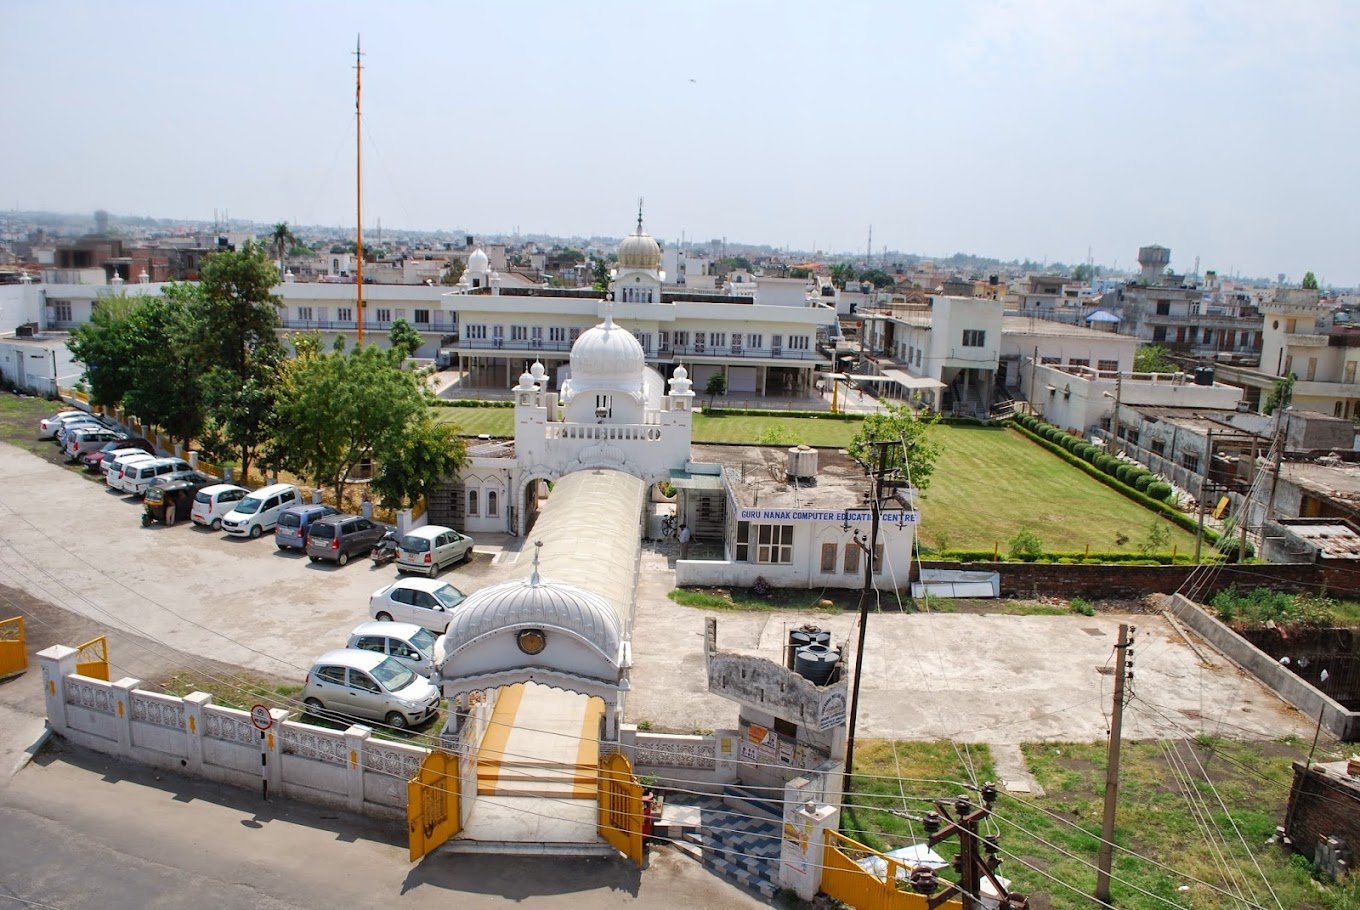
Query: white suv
(260, 511)
(137, 477)
(212, 503)
(114, 475)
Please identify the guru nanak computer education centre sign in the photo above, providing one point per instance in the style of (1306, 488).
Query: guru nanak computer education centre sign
(839, 516)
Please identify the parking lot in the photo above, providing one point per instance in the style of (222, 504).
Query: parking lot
(962, 675)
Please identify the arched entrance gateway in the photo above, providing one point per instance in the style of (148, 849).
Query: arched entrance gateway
(535, 671)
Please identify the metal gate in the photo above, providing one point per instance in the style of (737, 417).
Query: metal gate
(93, 659)
(621, 812)
(851, 884)
(432, 812)
(13, 657)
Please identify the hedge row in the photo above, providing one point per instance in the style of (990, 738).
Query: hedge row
(1093, 559)
(469, 403)
(1105, 468)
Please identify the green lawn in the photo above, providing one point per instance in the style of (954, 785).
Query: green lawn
(1058, 834)
(476, 421)
(989, 483)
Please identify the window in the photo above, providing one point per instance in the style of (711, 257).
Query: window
(974, 338)
(537, 335)
(476, 332)
(1312, 369)
(776, 344)
(1288, 364)
(663, 341)
(1163, 307)
(362, 682)
(557, 333)
(828, 558)
(491, 504)
(421, 317)
(1050, 361)
(798, 342)
(717, 339)
(498, 335)
(1350, 371)
(698, 342)
(681, 339)
(851, 562)
(604, 406)
(743, 541)
(1190, 461)
(1109, 366)
(574, 334)
(384, 315)
(736, 342)
(1078, 362)
(332, 675)
(518, 333)
(755, 341)
(1159, 333)
(918, 358)
(1208, 336)
(344, 314)
(304, 313)
(472, 502)
(1157, 446)
(774, 544)
(61, 311)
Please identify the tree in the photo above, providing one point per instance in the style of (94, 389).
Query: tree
(842, 272)
(238, 312)
(601, 275)
(1310, 282)
(283, 240)
(877, 277)
(166, 388)
(799, 272)
(243, 414)
(107, 346)
(1280, 395)
(405, 340)
(717, 385)
(338, 409)
(914, 460)
(1152, 358)
(427, 453)
(453, 273)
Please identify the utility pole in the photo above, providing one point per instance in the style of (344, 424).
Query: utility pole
(359, 189)
(1118, 399)
(875, 498)
(970, 864)
(1203, 489)
(1122, 667)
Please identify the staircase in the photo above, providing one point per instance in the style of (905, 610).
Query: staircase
(738, 837)
(540, 778)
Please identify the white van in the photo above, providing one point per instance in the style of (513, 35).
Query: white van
(212, 503)
(137, 477)
(114, 475)
(260, 511)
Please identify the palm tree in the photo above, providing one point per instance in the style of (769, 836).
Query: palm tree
(284, 238)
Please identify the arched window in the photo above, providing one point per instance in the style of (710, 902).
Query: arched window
(490, 504)
(472, 502)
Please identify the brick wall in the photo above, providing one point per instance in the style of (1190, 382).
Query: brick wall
(1324, 802)
(1023, 579)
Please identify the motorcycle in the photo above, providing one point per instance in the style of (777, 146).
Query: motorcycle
(385, 550)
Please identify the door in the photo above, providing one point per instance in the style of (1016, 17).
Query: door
(620, 796)
(432, 803)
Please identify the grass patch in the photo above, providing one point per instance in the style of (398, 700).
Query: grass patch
(241, 692)
(775, 599)
(750, 429)
(495, 422)
(896, 780)
(1023, 486)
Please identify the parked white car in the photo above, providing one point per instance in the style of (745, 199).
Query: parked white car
(422, 601)
(260, 511)
(364, 684)
(137, 477)
(426, 550)
(211, 504)
(404, 642)
(114, 475)
(48, 426)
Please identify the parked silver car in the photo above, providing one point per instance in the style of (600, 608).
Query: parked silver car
(370, 685)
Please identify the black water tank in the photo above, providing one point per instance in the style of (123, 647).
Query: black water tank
(816, 663)
(801, 637)
(1204, 376)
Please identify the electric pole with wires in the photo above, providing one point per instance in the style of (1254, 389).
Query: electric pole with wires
(1123, 669)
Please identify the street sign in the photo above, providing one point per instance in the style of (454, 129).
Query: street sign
(261, 718)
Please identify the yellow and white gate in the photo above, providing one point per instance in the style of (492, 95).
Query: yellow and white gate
(432, 808)
(13, 656)
(93, 659)
(853, 885)
(621, 811)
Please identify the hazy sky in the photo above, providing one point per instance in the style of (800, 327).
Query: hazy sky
(1013, 129)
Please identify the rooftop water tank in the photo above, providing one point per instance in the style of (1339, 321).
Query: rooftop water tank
(816, 663)
(802, 463)
(1204, 376)
(801, 637)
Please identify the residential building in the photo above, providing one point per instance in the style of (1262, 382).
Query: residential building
(1164, 308)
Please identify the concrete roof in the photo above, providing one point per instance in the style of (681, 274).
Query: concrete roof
(1032, 325)
(758, 479)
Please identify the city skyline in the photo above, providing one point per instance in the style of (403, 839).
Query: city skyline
(1011, 130)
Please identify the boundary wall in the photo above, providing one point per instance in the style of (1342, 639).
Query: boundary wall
(337, 768)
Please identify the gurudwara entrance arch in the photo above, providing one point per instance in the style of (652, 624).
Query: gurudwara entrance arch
(536, 672)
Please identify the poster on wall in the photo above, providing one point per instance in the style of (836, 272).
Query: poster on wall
(748, 751)
(765, 740)
(786, 753)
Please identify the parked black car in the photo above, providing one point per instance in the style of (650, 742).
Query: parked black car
(170, 500)
(338, 537)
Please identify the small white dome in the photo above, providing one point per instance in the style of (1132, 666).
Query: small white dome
(536, 371)
(606, 357)
(526, 381)
(534, 603)
(478, 262)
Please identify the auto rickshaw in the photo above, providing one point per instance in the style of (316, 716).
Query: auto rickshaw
(171, 500)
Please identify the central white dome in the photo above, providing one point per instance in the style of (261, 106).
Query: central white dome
(640, 251)
(607, 356)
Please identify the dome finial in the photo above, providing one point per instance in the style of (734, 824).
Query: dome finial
(608, 313)
(639, 230)
(534, 580)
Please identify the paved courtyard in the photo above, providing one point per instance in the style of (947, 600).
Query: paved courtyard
(979, 678)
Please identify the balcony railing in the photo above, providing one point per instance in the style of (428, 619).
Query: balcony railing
(349, 325)
(670, 352)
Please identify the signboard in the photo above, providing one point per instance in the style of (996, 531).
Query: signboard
(854, 516)
(261, 718)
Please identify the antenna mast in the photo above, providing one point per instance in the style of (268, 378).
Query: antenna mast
(869, 250)
(359, 188)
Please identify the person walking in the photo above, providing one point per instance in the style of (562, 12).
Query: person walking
(684, 541)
